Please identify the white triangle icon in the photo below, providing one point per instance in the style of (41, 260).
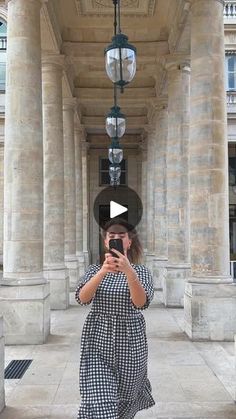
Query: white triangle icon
(116, 209)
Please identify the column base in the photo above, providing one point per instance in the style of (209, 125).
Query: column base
(58, 278)
(26, 313)
(149, 261)
(81, 263)
(86, 258)
(210, 311)
(174, 285)
(72, 266)
(159, 272)
(2, 391)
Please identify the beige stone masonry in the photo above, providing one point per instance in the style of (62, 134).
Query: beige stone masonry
(54, 265)
(79, 137)
(23, 182)
(178, 79)
(69, 189)
(2, 365)
(210, 296)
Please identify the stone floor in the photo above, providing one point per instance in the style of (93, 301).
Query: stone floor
(189, 380)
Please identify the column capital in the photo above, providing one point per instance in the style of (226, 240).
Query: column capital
(81, 131)
(53, 62)
(69, 103)
(197, 1)
(175, 62)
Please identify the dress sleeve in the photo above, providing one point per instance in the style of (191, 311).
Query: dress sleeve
(92, 270)
(146, 280)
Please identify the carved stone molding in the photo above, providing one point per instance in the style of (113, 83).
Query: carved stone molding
(106, 7)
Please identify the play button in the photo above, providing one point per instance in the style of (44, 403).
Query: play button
(116, 209)
(121, 202)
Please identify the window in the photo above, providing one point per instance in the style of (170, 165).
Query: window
(104, 178)
(3, 48)
(230, 72)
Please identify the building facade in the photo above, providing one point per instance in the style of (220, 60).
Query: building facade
(54, 148)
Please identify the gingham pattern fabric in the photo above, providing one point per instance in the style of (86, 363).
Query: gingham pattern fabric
(114, 352)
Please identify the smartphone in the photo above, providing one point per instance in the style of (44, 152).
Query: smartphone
(116, 244)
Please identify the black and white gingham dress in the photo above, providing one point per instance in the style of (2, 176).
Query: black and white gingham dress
(113, 358)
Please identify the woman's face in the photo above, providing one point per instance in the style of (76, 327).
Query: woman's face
(118, 231)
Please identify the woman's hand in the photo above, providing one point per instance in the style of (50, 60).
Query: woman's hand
(122, 262)
(109, 264)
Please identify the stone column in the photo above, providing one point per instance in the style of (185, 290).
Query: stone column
(150, 196)
(1, 200)
(177, 182)
(79, 136)
(69, 192)
(210, 296)
(143, 223)
(54, 264)
(24, 292)
(160, 215)
(85, 158)
(2, 357)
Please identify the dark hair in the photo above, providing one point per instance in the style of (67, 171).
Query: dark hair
(135, 253)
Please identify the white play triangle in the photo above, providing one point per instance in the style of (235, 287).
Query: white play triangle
(116, 209)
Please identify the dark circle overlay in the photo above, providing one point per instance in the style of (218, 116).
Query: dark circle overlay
(122, 195)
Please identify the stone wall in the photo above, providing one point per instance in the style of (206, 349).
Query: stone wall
(2, 393)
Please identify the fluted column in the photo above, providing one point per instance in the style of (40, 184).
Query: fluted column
(54, 264)
(177, 181)
(79, 137)
(143, 222)
(26, 294)
(85, 174)
(210, 296)
(160, 198)
(150, 195)
(69, 191)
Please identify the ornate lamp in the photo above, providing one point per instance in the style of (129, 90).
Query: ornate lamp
(120, 56)
(115, 123)
(115, 153)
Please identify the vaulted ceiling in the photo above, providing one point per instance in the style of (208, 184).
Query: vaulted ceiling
(81, 29)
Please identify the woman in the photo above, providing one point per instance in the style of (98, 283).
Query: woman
(113, 359)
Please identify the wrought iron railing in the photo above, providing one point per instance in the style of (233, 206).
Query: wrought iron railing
(3, 43)
(230, 10)
(231, 98)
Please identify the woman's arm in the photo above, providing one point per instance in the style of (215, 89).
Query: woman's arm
(88, 290)
(137, 292)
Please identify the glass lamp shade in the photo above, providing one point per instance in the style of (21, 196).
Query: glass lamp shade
(114, 171)
(115, 155)
(120, 60)
(115, 123)
(115, 182)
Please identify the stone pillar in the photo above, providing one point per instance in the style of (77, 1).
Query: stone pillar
(79, 136)
(54, 264)
(2, 357)
(24, 292)
(1, 200)
(177, 183)
(210, 295)
(160, 215)
(143, 222)
(69, 191)
(150, 196)
(85, 182)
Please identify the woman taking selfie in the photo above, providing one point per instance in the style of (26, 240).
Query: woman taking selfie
(114, 352)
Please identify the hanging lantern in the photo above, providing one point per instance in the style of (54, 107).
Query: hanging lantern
(114, 171)
(115, 123)
(115, 153)
(120, 60)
